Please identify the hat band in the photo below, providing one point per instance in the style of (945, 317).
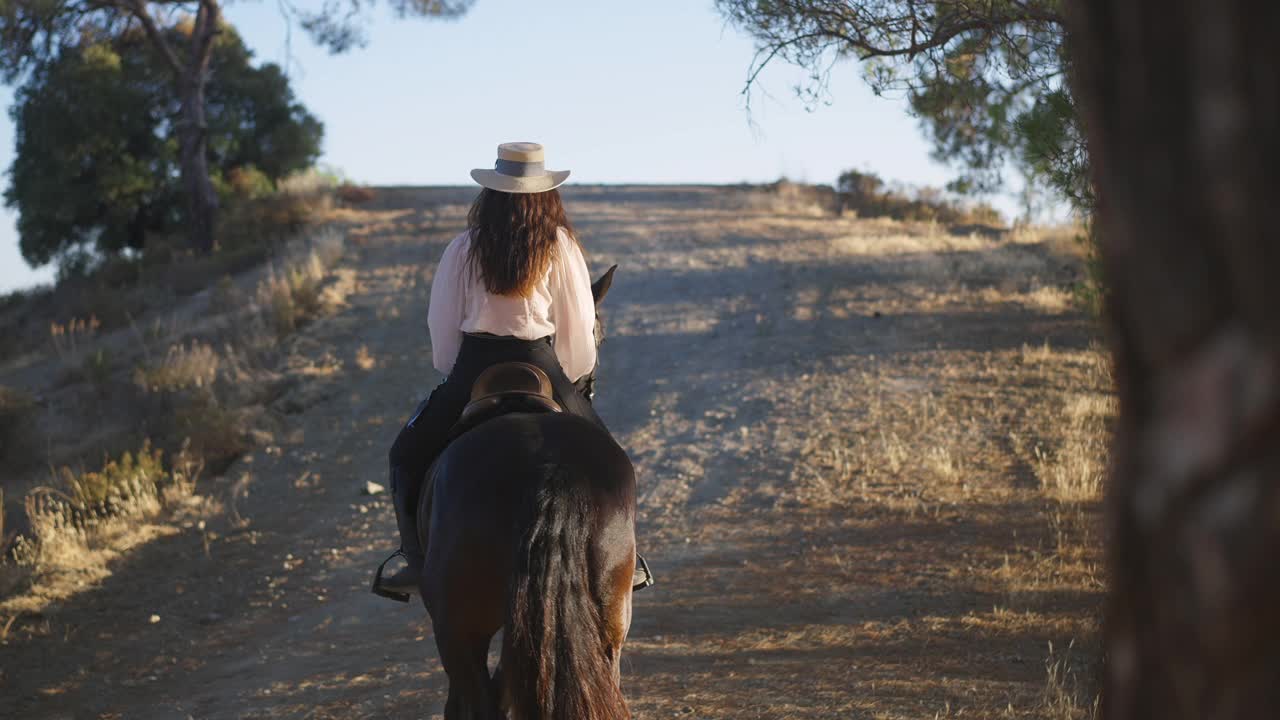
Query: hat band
(515, 168)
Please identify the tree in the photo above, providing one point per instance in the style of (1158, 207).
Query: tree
(35, 32)
(985, 77)
(1181, 101)
(96, 163)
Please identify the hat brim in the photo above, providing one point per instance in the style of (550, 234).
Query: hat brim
(495, 180)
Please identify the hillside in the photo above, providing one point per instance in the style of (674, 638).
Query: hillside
(868, 455)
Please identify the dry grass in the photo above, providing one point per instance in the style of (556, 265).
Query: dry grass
(1074, 469)
(195, 375)
(68, 518)
(1068, 693)
(71, 337)
(194, 365)
(951, 434)
(291, 293)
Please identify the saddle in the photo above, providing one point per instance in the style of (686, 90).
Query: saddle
(504, 388)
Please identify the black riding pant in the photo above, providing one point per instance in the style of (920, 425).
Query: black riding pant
(425, 435)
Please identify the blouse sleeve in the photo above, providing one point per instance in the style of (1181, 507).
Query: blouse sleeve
(444, 314)
(573, 310)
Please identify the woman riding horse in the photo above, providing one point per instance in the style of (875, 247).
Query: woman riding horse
(513, 287)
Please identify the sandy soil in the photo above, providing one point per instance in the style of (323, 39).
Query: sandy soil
(838, 426)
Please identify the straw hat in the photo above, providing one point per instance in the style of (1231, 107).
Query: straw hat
(519, 169)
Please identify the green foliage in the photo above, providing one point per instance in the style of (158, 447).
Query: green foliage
(986, 78)
(248, 182)
(118, 480)
(96, 163)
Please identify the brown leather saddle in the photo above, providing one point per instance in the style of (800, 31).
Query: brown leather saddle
(507, 387)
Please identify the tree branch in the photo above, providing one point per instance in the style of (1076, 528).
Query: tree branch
(138, 9)
(206, 29)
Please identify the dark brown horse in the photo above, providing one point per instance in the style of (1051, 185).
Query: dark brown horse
(532, 532)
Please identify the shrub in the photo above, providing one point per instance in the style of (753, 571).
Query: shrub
(290, 295)
(119, 483)
(248, 182)
(63, 521)
(72, 338)
(349, 194)
(211, 430)
(310, 182)
(183, 366)
(868, 195)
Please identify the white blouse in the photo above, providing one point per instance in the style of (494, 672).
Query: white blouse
(560, 304)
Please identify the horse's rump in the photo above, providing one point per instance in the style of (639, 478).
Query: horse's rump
(532, 530)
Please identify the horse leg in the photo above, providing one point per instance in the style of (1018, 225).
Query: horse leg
(472, 693)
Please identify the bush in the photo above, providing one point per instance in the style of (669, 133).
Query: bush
(184, 366)
(119, 482)
(290, 296)
(259, 222)
(248, 182)
(63, 522)
(349, 194)
(867, 194)
(214, 433)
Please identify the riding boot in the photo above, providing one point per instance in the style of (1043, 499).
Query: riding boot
(404, 582)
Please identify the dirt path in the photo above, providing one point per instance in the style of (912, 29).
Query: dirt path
(835, 422)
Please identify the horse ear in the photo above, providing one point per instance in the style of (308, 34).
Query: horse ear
(600, 288)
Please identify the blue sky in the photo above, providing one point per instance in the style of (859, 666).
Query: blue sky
(617, 91)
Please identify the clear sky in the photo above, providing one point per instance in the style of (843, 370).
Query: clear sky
(617, 91)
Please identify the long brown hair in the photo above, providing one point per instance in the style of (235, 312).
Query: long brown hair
(513, 238)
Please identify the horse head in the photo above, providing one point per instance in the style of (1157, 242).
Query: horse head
(599, 289)
(587, 383)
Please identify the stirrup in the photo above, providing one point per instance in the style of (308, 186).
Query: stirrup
(380, 591)
(648, 574)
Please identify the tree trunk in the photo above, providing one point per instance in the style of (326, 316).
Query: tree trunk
(1181, 102)
(202, 200)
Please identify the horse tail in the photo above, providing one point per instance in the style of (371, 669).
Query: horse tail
(555, 664)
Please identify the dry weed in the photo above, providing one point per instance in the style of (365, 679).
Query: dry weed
(65, 522)
(942, 461)
(291, 293)
(1065, 692)
(1074, 471)
(894, 451)
(72, 337)
(62, 521)
(194, 365)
